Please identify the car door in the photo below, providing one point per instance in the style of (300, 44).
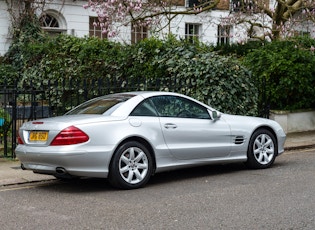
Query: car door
(189, 131)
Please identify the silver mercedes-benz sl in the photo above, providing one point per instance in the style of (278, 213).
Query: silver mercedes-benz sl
(127, 137)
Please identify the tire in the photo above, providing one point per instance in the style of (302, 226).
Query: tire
(131, 166)
(262, 149)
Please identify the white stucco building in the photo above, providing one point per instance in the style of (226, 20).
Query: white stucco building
(4, 28)
(69, 16)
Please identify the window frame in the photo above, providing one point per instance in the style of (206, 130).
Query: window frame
(95, 31)
(196, 31)
(51, 24)
(138, 33)
(224, 33)
(247, 6)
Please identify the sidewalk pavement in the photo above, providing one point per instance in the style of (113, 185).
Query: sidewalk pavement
(12, 174)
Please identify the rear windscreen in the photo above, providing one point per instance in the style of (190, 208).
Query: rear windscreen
(101, 105)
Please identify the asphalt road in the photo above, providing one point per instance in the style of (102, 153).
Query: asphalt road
(212, 197)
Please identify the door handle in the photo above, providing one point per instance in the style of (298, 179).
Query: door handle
(170, 126)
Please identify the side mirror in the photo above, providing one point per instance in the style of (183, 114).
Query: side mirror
(215, 115)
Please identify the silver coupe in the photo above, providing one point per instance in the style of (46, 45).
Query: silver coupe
(127, 137)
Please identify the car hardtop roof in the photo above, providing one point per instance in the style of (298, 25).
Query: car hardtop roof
(128, 95)
(147, 93)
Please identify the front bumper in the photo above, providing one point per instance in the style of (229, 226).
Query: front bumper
(281, 140)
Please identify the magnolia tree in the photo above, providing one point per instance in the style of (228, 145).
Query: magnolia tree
(141, 12)
(262, 19)
(273, 20)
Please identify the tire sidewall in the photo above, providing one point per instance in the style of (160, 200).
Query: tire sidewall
(116, 179)
(251, 159)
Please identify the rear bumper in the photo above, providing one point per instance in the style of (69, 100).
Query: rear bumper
(76, 162)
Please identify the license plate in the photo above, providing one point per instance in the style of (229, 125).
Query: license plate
(38, 136)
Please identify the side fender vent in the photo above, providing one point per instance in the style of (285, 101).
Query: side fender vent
(238, 140)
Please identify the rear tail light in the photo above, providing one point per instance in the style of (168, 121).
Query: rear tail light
(20, 140)
(70, 136)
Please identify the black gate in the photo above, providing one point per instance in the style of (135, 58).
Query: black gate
(27, 101)
(18, 105)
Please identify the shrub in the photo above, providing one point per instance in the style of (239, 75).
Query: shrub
(219, 81)
(8, 73)
(286, 71)
(164, 65)
(238, 50)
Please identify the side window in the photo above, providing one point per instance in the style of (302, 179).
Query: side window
(172, 106)
(145, 108)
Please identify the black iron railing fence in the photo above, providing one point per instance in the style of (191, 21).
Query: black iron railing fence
(21, 102)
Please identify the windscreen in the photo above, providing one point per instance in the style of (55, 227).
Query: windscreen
(101, 105)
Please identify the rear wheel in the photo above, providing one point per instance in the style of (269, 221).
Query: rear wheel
(131, 166)
(262, 149)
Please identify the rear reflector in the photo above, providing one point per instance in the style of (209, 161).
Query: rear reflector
(70, 136)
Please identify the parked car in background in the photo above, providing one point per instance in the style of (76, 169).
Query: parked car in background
(127, 137)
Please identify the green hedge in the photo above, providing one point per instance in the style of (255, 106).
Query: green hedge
(216, 80)
(288, 68)
(283, 71)
(213, 79)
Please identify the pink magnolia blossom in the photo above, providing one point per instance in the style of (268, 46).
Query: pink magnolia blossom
(262, 16)
(120, 11)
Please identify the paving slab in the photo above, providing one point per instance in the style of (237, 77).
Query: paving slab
(11, 173)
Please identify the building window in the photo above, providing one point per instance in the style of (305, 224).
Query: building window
(302, 33)
(192, 3)
(192, 31)
(50, 24)
(95, 29)
(248, 6)
(224, 33)
(49, 21)
(138, 33)
(241, 5)
(195, 3)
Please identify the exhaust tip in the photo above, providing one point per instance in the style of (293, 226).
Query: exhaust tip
(61, 171)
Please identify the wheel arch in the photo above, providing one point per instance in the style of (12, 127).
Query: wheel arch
(270, 130)
(142, 141)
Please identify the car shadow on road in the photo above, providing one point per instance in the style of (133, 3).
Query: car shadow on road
(196, 172)
(94, 185)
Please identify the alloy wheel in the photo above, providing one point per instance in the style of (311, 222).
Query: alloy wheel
(263, 149)
(133, 165)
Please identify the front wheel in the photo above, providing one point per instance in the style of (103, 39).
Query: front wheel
(131, 166)
(262, 149)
